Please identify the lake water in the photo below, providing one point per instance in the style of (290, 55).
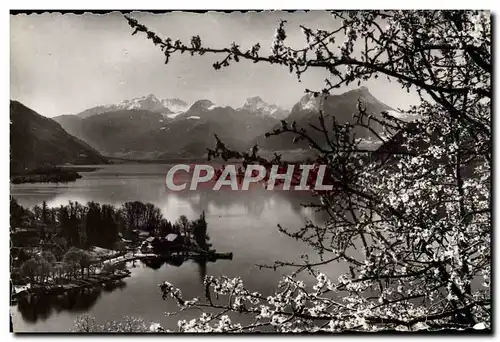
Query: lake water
(242, 222)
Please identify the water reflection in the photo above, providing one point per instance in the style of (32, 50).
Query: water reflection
(202, 268)
(42, 307)
(115, 185)
(178, 261)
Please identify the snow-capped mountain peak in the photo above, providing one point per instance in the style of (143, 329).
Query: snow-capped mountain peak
(175, 105)
(254, 103)
(168, 107)
(258, 106)
(149, 102)
(309, 103)
(202, 105)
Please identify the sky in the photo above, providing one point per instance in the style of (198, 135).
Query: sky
(66, 63)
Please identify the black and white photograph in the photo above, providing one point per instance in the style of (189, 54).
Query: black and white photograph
(258, 171)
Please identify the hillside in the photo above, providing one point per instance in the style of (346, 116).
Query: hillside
(119, 131)
(71, 124)
(37, 141)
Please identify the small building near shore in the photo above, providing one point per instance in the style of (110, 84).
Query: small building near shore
(147, 247)
(142, 234)
(169, 243)
(171, 237)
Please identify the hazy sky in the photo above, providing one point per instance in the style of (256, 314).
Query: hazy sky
(63, 64)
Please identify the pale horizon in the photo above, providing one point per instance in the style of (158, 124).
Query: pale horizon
(67, 63)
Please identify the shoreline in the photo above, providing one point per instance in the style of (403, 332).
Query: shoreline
(100, 280)
(53, 174)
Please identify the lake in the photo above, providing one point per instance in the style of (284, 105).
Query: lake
(242, 222)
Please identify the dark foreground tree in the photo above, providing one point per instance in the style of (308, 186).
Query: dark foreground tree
(412, 219)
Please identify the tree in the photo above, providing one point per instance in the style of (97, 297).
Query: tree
(29, 269)
(109, 227)
(138, 215)
(72, 259)
(17, 214)
(93, 224)
(183, 223)
(70, 218)
(78, 259)
(85, 262)
(37, 267)
(152, 217)
(60, 270)
(45, 269)
(45, 214)
(200, 232)
(412, 220)
(134, 214)
(49, 256)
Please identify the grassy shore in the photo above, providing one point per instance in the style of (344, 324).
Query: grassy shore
(46, 175)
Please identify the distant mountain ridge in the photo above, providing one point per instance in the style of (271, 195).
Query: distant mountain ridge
(150, 103)
(149, 126)
(125, 132)
(37, 141)
(171, 107)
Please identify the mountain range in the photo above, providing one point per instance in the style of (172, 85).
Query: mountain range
(155, 128)
(150, 128)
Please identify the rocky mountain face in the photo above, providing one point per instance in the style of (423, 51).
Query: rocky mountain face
(259, 107)
(37, 141)
(341, 108)
(147, 125)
